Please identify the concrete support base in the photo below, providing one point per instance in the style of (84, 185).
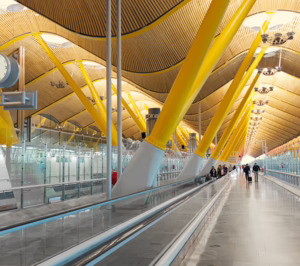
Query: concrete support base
(191, 168)
(141, 172)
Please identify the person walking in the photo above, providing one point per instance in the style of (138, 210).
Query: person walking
(213, 172)
(219, 172)
(225, 169)
(255, 169)
(247, 171)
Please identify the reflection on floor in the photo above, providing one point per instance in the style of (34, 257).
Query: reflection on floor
(258, 226)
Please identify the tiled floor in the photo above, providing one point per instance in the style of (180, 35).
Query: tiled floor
(258, 226)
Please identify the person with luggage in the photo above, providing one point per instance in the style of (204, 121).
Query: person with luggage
(213, 172)
(247, 171)
(219, 171)
(255, 169)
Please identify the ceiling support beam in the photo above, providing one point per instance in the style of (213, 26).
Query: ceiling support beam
(193, 74)
(43, 121)
(231, 95)
(142, 126)
(8, 135)
(236, 134)
(84, 100)
(73, 135)
(100, 106)
(180, 138)
(137, 110)
(233, 122)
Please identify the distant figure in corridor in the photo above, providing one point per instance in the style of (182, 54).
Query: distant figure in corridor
(230, 168)
(213, 172)
(247, 171)
(219, 172)
(255, 169)
(225, 169)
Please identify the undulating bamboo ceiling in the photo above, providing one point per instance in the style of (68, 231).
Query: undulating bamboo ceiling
(157, 36)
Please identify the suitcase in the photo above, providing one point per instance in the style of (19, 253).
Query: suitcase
(250, 179)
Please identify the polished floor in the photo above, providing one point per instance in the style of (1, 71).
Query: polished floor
(258, 226)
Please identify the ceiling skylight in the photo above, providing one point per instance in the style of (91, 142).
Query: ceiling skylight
(10, 6)
(56, 41)
(279, 19)
(92, 64)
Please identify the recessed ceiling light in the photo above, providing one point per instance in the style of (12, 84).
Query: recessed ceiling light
(56, 41)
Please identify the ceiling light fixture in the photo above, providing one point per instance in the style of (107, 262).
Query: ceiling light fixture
(264, 90)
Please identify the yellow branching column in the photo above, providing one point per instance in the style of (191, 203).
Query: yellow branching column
(137, 110)
(221, 113)
(241, 128)
(99, 103)
(196, 69)
(199, 63)
(142, 126)
(84, 100)
(237, 115)
(8, 135)
(180, 138)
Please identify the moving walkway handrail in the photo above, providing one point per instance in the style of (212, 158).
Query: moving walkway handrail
(83, 248)
(169, 254)
(49, 218)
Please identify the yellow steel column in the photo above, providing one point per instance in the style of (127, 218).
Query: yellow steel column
(137, 110)
(236, 145)
(141, 126)
(240, 128)
(8, 135)
(238, 113)
(240, 136)
(73, 135)
(84, 100)
(99, 103)
(40, 124)
(180, 138)
(178, 98)
(184, 133)
(223, 109)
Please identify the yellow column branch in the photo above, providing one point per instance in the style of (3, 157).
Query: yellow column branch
(141, 126)
(184, 84)
(84, 100)
(230, 97)
(137, 110)
(237, 115)
(99, 103)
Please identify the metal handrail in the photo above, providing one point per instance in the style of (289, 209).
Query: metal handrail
(52, 185)
(285, 173)
(79, 250)
(168, 255)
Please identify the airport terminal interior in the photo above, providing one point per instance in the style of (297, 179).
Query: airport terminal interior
(150, 132)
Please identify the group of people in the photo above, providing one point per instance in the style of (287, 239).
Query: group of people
(255, 170)
(222, 170)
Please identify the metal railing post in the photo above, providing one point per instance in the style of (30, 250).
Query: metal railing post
(109, 97)
(45, 172)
